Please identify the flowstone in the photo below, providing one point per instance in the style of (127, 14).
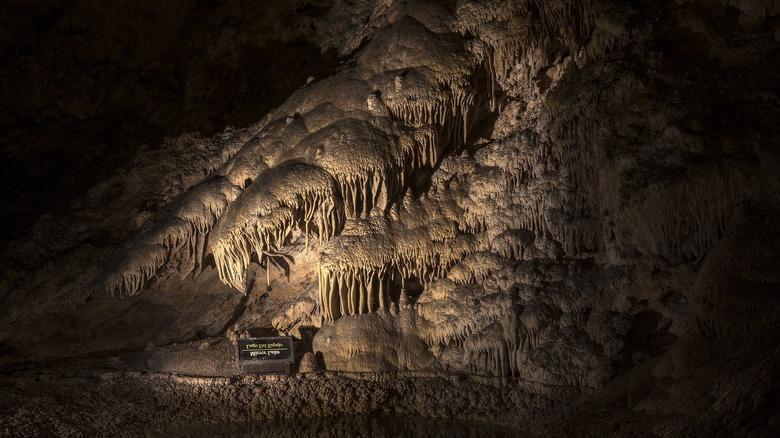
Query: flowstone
(551, 194)
(468, 164)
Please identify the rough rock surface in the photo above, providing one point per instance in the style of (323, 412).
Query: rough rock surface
(568, 210)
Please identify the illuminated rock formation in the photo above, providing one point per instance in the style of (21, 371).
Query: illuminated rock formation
(380, 168)
(550, 195)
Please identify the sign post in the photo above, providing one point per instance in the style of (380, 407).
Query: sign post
(265, 355)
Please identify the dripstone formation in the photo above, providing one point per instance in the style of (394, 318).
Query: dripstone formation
(573, 201)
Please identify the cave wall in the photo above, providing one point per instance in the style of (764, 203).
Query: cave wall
(552, 192)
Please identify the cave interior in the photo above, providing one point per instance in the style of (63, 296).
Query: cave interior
(518, 217)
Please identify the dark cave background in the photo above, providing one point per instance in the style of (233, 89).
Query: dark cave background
(86, 84)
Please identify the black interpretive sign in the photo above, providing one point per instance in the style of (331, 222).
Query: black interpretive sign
(262, 354)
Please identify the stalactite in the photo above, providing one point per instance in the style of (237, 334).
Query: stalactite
(179, 236)
(353, 292)
(263, 219)
(415, 245)
(489, 351)
(367, 164)
(689, 218)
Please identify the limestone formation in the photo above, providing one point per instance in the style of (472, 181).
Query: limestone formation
(308, 363)
(359, 146)
(575, 200)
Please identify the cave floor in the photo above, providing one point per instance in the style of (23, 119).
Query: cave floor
(92, 397)
(195, 389)
(73, 399)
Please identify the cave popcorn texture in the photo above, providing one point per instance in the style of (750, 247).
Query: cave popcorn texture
(345, 148)
(516, 239)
